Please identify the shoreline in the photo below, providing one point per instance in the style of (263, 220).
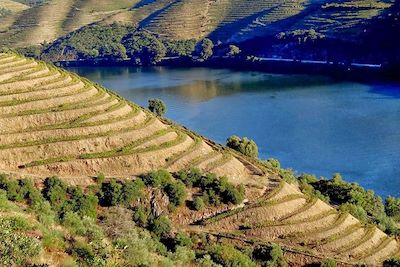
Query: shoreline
(343, 71)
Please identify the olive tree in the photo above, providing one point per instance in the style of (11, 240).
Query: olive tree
(246, 146)
(157, 106)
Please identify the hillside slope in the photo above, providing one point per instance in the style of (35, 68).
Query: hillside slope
(56, 123)
(224, 20)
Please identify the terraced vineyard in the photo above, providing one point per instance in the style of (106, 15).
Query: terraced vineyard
(287, 216)
(54, 122)
(225, 20)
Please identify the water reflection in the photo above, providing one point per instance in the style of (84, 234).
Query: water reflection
(313, 124)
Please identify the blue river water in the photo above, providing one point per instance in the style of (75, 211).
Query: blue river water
(309, 123)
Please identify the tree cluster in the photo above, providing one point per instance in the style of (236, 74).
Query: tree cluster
(245, 146)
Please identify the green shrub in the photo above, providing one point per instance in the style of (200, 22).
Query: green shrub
(329, 263)
(5, 204)
(245, 146)
(354, 210)
(183, 256)
(11, 186)
(271, 163)
(233, 51)
(100, 178)
(82, 204)
(85, 226)
(110, 193)
(15, 247)
(269, 255)
(138, 248)
(53, 240)
(141, 215)
(55, 191)
(85, 255)
(158, 179)
(205, 49)
(176, 193)
(182, 240)
(161, 226)
(227, 255)
(198, 203)
(392, 206)
(189, 178)
(132, 190)
(44, 212)
(157, 106)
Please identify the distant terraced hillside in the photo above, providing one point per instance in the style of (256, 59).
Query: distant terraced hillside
(53, 122)
(224, 20)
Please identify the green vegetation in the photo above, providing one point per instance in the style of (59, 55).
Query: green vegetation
(144, 48)
(227, 255)
(352, 198)
(205, 49)
(246, 146)
(301, 36)
(394, 262)
(233, 51)
(16, 248)
(157, 106)
(111, 42)
(329, 263)
(214, 190)
(109, 210)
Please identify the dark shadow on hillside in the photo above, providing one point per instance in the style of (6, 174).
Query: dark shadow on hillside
(142, 3)
(283, 24)
(153, 15)
(233, 27)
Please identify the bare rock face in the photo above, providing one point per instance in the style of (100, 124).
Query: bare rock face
(159, 203)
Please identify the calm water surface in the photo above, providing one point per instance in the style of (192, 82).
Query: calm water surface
(311, 124)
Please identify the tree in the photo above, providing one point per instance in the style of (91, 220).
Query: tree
(157, 106)
(206, 49)
(227, 255)
(161, 226)
(111, 193)
(233, 51)
(176, 193)
(198, 203)
(144, 47)
(160, 178)
(246, 146)
(392, 206)
(55, 192)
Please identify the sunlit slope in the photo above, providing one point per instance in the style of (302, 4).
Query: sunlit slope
(55, 18)
(53, 122)
(236, 20)
(224, 20)
(304, 225)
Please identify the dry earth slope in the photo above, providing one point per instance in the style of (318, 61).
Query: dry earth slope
(53, 122)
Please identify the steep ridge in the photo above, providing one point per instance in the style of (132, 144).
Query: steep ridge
(53, 122)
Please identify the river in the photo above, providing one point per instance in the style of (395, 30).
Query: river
(309, 123)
